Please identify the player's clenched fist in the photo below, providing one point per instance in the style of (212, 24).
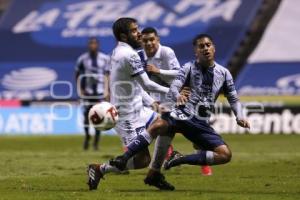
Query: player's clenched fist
(243, 123)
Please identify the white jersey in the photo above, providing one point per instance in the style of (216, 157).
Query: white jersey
(164, 59)
(126, 93)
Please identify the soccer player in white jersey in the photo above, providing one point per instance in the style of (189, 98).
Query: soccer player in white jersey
(92, 75)
(161, 62)
(162, 67)
(127, 77)
(206, 79)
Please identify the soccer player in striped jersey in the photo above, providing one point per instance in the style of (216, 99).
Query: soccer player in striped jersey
(162, 67)
(92, 75)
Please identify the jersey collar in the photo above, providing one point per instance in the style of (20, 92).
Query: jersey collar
(200, 67)
(157, 55)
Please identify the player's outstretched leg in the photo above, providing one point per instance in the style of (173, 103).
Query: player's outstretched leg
(220, 155)
(119, 162)
(96, 172)
(138, 144)
(205, 170)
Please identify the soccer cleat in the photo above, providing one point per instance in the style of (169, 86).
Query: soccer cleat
(119, 162)
(206, 170)
(173, 161)
(94, 176)
(158, 180)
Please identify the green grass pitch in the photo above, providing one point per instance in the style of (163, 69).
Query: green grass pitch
(263, 167)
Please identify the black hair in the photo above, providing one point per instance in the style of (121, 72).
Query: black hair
(121, 25)
(200, 36)
(149, 30)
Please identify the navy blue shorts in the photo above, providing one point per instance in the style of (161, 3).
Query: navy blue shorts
(197, 131)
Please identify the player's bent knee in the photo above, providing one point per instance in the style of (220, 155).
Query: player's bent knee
(159, 127)
(224, 154)
(227, 157)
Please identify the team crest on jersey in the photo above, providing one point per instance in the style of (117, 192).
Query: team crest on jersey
(135, 62)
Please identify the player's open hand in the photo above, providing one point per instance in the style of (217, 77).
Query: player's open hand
(181, 100)
(152, 69)
(186, 91)
(155, 106)
(243, 123)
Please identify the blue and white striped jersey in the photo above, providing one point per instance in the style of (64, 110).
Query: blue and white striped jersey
(91, 73)
(206, 85)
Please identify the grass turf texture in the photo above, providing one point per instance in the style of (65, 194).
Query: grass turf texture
(53, 167)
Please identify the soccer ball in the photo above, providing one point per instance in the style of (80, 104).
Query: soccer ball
(103, 116)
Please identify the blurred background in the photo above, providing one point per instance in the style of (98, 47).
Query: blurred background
(41, 40)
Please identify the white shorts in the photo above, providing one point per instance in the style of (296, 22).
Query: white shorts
(130, 127)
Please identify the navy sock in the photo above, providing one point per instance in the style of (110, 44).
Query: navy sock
(135, 146)
(194, 159)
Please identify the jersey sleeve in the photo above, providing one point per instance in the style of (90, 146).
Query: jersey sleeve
(79, 67)
(229, 88)
(107, 64)
(178, 82)
(231, 95)
(172, 60)
(135, 65)
(147, 99)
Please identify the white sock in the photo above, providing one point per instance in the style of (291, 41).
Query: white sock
(209, 157)
(162, 144)
(107, 168)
